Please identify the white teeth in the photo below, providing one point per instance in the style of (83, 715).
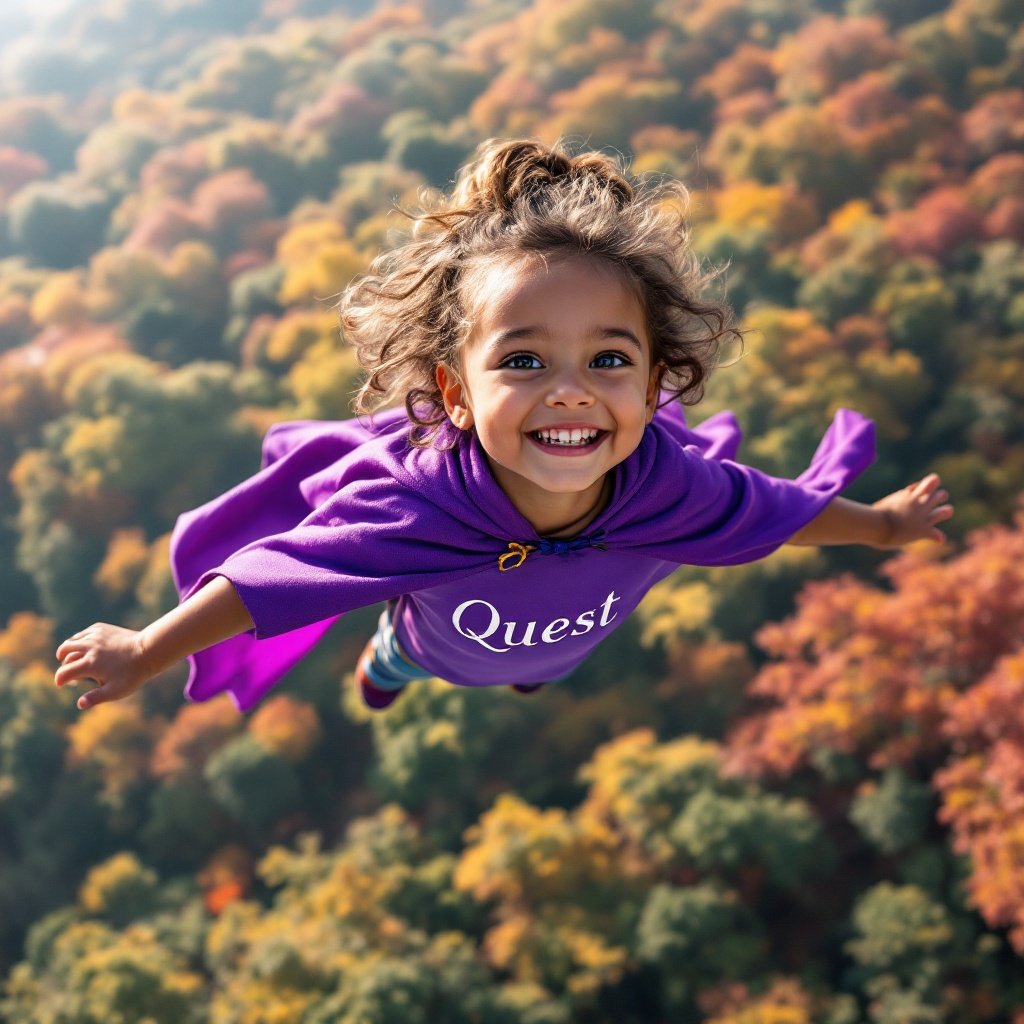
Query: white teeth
(576, 436)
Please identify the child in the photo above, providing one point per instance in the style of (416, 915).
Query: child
(542, 327)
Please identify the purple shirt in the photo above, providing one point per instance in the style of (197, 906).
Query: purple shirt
(345, 514)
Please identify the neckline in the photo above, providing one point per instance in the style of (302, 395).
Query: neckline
(501, 509)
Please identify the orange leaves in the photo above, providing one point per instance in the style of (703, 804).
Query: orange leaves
(288, 727)
(28, 638)
(610, 104)
(779, 211)
(828, 51)
(226, 877)
(197, 732)
(747, 67)
(863, 670)
(982, 792)
(931, 672)
(114, 741)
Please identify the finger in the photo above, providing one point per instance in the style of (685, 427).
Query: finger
(93, 697)
(942, 513)
(927, 484)
(69, 660)
(74, 643)
(79, 668)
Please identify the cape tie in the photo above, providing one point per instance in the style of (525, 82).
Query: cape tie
(516, 554)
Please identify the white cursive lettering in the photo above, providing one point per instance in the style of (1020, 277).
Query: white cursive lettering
(586, 620)
(480, 638)
(554, 632)
(558, 626)
(606, 608)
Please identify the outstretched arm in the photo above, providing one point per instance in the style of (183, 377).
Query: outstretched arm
(902, 517)
(120, 660)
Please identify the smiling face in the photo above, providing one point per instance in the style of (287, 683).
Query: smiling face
(556, 379)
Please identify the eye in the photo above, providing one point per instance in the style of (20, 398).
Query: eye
(520, 361)
(610, 360)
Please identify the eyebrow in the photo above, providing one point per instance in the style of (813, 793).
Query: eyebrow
(517, 334)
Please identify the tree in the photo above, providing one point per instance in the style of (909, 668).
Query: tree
(253, 784)
(901, 936)
(607, 107)
(40, 125)
(97, 976)
(120, 890)
(827, 51)
(697, 936)
(288, 727)
(993, 124)
(57, 225)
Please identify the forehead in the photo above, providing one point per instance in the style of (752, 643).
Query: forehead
(509, 286)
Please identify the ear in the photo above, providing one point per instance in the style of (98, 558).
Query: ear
(454, 396)
(654, 389)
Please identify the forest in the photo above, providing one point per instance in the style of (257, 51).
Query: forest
(790, 792)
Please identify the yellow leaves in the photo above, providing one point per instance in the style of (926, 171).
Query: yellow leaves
(193, 271)
(319, 261)
(325, 381)
(27, 639)
(91, 449)
(296, 333)
(114, 739)
(558, 882)
(668, 610)
(61, 301)
(775, 209)
(790, 336)
(512, 842)
(609, 104)
(262, 1002)
(104, 972)
(636, 784)
(120, 278)
(851, 217)
(124, 563)
(119, 873)
(508, 940)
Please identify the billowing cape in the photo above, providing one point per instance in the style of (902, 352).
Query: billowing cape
(345, 514)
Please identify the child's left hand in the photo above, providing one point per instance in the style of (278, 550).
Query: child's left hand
(914, 512)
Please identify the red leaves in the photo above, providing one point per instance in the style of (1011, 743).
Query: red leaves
(932, 672)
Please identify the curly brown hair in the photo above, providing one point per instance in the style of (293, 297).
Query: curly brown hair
(413, 310)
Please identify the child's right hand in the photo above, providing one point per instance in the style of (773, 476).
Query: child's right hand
(109, 655)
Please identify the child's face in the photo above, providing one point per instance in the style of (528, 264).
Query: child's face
(556, 378)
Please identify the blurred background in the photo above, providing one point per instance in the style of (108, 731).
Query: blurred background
(786, 793)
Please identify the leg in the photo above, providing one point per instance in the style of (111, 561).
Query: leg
(383, 669)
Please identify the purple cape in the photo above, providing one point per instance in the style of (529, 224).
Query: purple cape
(347, 514)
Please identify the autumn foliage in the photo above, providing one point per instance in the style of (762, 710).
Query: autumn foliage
(786, 792)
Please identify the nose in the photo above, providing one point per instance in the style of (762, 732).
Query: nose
(569, 390)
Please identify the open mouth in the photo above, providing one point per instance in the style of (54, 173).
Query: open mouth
(584, 437)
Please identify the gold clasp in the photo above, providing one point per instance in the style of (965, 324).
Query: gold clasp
(516, 551)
